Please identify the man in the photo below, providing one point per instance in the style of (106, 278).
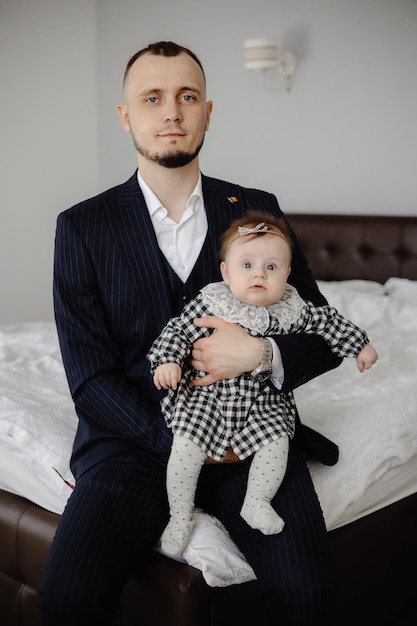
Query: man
(125, 262)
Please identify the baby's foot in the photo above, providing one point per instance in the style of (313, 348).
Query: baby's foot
(176, 536)
(260, 515)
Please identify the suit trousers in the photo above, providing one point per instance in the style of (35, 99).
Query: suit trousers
(119, 509)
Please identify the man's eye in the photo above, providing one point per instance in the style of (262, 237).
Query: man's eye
(247, 265)
(152, 99)
(188, 97)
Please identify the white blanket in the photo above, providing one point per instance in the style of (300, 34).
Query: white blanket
(371, 416)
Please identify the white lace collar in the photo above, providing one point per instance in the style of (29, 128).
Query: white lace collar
(222, 304)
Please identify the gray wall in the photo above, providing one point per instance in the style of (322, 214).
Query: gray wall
(344, 139)
(48, 140)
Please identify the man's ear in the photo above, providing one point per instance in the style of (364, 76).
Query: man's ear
(225, 274)
(124, 116)
(209, 105)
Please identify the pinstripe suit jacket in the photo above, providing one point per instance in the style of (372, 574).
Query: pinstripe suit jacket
(113, 294)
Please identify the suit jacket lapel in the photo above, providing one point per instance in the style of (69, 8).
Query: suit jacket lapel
(135, 238)
(223, 204)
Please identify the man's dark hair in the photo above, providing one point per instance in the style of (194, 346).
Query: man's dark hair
(162, 48)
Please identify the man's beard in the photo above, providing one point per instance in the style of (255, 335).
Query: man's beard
(170, 161)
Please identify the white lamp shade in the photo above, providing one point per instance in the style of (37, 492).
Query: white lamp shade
(260, 54)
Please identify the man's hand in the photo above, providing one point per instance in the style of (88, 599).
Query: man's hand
(228, 352)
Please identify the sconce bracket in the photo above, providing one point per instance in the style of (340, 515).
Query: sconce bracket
(261, 55)
(287, 64)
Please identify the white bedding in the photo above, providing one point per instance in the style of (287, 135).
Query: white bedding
(371, 416)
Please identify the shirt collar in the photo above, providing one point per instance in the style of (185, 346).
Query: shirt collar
(154, 204)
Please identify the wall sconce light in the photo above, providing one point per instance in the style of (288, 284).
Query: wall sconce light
(262, 56)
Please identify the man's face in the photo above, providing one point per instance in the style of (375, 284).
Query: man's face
(165, 108)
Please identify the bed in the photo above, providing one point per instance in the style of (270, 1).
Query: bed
(367, 267)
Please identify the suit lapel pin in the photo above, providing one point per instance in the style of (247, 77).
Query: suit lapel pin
(233, 199)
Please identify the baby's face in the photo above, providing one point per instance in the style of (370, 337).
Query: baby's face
(256, 268)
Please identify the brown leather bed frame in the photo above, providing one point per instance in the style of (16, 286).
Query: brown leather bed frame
(375, 556)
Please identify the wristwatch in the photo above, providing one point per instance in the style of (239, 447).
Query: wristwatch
(264, 369)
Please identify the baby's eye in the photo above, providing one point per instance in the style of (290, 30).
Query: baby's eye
(247, 265)
(270, 267)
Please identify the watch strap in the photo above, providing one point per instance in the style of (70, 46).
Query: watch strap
(264, 369)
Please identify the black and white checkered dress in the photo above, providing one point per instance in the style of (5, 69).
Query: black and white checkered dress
(241, 412)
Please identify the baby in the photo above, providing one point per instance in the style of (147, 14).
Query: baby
(247, 414)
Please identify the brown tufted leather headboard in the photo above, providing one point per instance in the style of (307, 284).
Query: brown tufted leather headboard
(343, 247)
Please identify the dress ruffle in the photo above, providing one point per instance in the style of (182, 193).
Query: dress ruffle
(222, 303)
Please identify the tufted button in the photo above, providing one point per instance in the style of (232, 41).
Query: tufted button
(366, 251)
(402, 253)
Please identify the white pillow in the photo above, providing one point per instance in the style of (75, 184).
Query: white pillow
(361, 301)
(401, 288)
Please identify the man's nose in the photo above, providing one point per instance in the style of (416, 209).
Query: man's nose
(172, 111)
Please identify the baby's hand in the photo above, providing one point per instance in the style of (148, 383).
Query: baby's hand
(366, 357)
(167, 375)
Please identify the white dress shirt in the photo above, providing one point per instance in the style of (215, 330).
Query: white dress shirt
(181, 244)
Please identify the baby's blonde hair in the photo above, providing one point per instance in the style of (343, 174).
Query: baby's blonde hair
(275, 226)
